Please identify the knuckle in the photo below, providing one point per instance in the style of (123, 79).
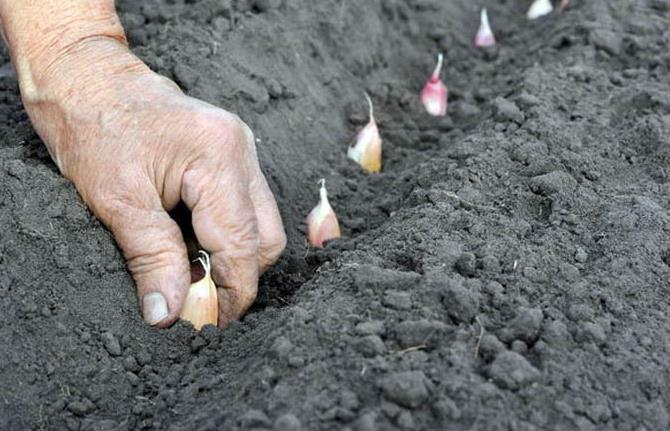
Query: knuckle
(115, 197)
(233, 119)
(239, 136)
(110, 205)
(146, 260)
(220, 137)
(220, 120)
(195, 183)
(243, 238)
(234, 133)
(233, 123)
(247, 133)
(205, 122)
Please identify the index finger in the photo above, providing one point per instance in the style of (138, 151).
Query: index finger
(225, 225)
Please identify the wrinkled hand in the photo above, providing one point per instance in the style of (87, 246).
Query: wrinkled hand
(134, 145)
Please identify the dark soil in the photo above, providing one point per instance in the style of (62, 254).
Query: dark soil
(509, 269)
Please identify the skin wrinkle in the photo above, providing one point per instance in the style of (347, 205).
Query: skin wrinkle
(90, 81)
(243, 231)
(145, 261)
(198, 178)
(87, 18)
(68, 50)
(55, 47)
(170, 165)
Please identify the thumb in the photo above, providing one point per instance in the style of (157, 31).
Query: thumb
(156, 254)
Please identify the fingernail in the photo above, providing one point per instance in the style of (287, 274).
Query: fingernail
(154, 308)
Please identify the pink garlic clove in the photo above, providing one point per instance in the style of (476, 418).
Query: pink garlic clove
(485, 37)
(435, 94)
(322, 224)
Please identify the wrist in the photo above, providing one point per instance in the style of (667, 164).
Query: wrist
(43, 35)
(80, 71)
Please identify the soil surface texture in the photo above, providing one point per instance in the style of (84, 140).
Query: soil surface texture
(508, 269)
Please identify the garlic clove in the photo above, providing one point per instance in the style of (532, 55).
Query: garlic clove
(435, 94)
(201, 306)
(564, 4)
(539, 8)
(485, 37)
(366, 150)
(322, 224)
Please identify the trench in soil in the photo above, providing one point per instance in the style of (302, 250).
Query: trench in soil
(411, 137)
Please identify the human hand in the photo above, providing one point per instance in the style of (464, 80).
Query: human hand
(134, 146)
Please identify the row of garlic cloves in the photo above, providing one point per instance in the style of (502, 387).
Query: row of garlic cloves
(366, 149)
(201, 304)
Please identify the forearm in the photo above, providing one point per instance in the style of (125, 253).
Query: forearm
(41, 33)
